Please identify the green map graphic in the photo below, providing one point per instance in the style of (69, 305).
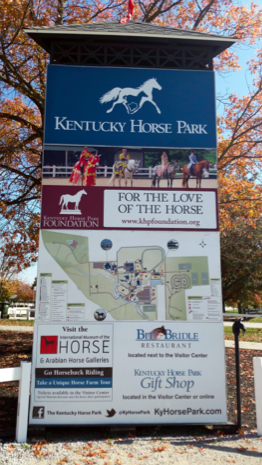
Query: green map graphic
(128, 288)
(183, 273)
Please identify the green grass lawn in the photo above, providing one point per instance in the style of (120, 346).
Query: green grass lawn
(251, 334)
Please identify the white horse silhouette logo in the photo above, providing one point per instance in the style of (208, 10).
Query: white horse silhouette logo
(75, 199)
(122, 94)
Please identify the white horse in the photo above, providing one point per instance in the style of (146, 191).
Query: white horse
(126, 172)
(67, 198)
(122, 94)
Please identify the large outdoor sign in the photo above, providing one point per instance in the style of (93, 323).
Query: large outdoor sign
(129, 325)
(130, 107)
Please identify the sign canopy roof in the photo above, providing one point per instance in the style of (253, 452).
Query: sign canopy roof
(130, 31)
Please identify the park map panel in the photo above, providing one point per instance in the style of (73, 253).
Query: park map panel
(136, 284)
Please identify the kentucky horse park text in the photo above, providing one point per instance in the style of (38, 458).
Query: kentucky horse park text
(62, 123)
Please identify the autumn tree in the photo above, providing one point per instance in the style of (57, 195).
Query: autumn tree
(22, 95)
(10, 285)
(7, 272)
(16, 289)
(239, 151)
(22, 290)
(241, 257)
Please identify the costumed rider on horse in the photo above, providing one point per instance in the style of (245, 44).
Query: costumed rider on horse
(192, 162)
(121, 165)
(86, 167)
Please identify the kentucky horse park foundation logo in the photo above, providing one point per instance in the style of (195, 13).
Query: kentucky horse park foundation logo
(67, 199)
(68, 211)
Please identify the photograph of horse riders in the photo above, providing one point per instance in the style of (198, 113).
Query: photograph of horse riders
(124, 168)
(195, 169)
(130, 167)
(85, 168)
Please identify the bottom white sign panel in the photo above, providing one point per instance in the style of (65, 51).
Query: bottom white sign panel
(114, 373)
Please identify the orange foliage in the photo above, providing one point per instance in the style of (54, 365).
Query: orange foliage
(21, 290)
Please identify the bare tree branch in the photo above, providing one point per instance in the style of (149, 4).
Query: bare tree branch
(20, 26)
(203, 13)
(157, 8)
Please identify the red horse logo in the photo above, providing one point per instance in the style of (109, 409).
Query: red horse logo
(48, 344)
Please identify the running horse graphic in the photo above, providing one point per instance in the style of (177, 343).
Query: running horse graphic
(122, 94)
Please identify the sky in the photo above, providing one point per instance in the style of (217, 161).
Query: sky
(29, 275)
(237, 82)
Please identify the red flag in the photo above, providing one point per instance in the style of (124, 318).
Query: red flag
(130, 12)
(130, 8)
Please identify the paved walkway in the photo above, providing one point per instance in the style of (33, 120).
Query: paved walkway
(243, 344)
(20, 329)
(247, 325)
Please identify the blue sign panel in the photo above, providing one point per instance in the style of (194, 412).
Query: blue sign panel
(130, 107)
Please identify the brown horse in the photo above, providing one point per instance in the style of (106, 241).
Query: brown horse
(198, 172)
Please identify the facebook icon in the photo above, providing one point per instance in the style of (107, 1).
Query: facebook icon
(38, 412)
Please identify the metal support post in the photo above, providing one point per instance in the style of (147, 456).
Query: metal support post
(237, 325)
